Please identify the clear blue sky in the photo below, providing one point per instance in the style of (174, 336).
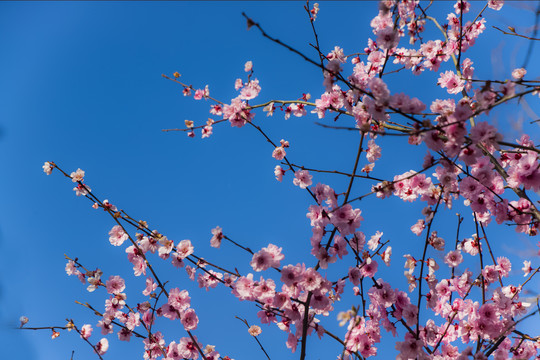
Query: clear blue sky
(81, 85)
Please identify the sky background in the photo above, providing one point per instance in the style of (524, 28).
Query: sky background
(81, 86)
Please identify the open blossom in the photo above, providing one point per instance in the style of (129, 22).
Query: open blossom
(518, 74)
(115, 284)
(150, 286)
(189, 319)
(279, 172)
(207, 131)
(248, 66)
(77, 175)
(453, 258)
(279, 153)
(251, 90)
(102, 346)
(217, 236)
(254, 330)
(387, 38)
(269, 109)
(86, 331)
(267, 257)
(117, 235)
(526, 267)
(495, 4)
(81, 190)
(302, 178)
(374, 151)
(184, 249)
(237, 113)
(451, 82)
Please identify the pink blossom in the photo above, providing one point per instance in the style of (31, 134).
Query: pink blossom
(184, 249)
(517, 74)
(199, 94)
(453, 258)
(290, 275)
(217, 236)
(207, 131)
(236, 113)
(418, 227)
(216, 110)
(346, 219)
(102, 346)
(261, 260)
(279, 172)
(374, 241)
(248, 66)
(188, 349)
(369, 268)
(279, 153)
(251, 90)
(117, 235)
(526, 267)
(379, 90)
(254, 330)
(269, 109)
(86, 331)
(115, 285)
(387, 38)
(76, 176)
(452, 82)
(133, 320)
(209, 279)
(374, 151)
(150, 286)
(471, 245)
(495, 4)
(82, 190)
(179, 299)
(189, 319)
(302, 179)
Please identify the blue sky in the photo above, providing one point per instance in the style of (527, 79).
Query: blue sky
(81, 86)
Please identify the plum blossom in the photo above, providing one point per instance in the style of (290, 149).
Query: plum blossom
(374, 151)
(495, 4)
(526, 267)
(77, 176)
(117, 235)
(266, 258)
(150, 286)
(387, 38)
(254, 330)
(48, 168)
(81, 190)
(217, 236)
(23, 320)
(189, 319)
(115, 284)
(102, 346)
(251, 90)
(302, 179)
(279, 172)
(517, 74)
(86, 331)
(184, 249)
(451, 82)
(279, 153)
(453, 258)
